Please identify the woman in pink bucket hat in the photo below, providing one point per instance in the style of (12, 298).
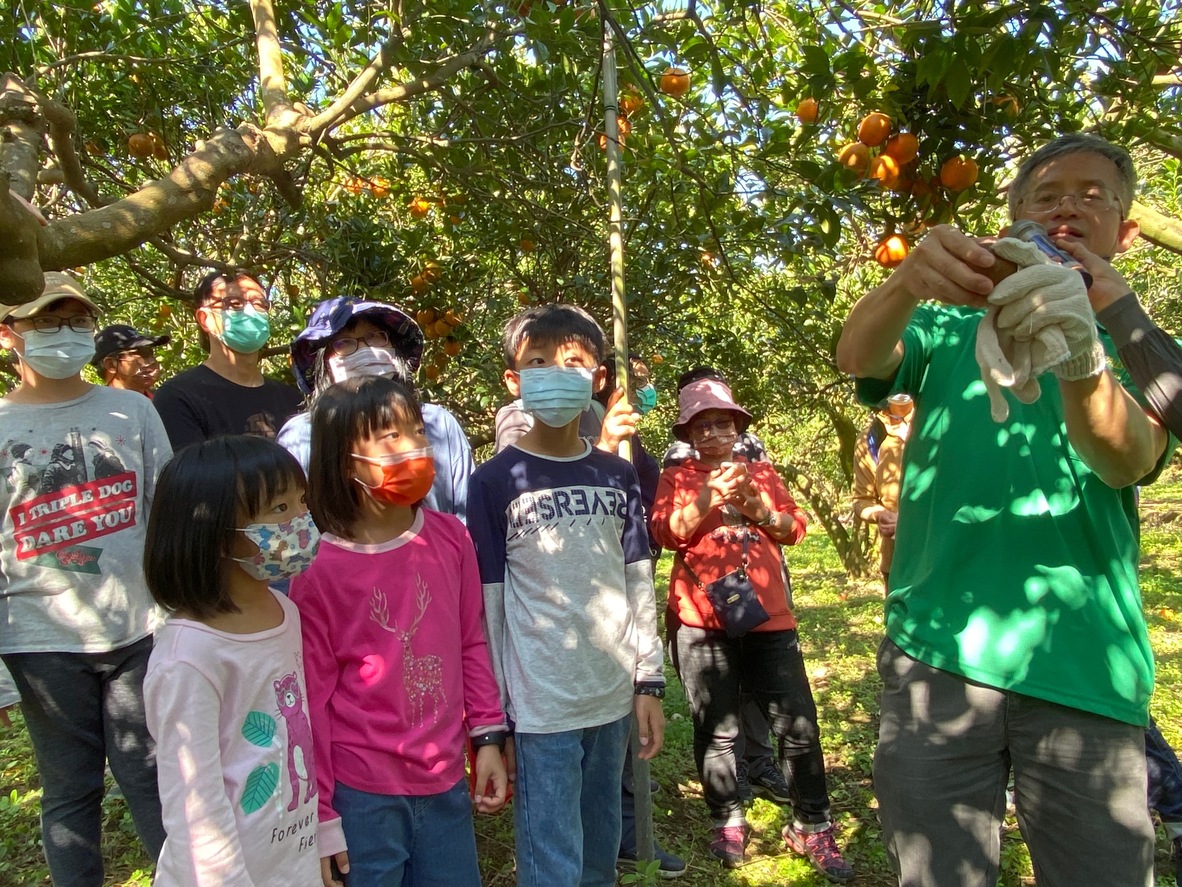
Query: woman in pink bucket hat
(732, 626)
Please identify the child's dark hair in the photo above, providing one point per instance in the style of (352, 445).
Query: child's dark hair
(553, 323)
(342, 415)
(200, 497)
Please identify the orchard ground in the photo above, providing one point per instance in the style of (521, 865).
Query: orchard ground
(841, 624)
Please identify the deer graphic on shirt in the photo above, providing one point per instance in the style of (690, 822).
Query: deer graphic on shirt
(422, 676)
(300, 763)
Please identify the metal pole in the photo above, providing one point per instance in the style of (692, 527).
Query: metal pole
(642, 797)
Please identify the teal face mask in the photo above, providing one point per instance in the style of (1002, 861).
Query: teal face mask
(245, 330)
(646, 398)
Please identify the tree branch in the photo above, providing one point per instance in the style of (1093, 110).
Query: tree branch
(1158, 228)
(62, 125)
(407, 90)
(272, 82)
(355, 90)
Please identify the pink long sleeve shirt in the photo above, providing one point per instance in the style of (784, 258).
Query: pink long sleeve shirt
(397, 666)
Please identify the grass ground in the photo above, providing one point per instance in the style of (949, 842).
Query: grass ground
(841, 623)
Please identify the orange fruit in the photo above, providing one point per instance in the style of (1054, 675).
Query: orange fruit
(806, 111)
(354, 185)
(452, 346)
(885, 169)
(874, 129)
(526, 245)
(675, 82)
(141, 145)
(891, 251)
(657, 358)
(903, 146)
(424, 317)
(453, 318)
(219, 206)
(523, 298)
(1007, 104)
(159, 151)
(419, 284)
(630, 103)
(854, 156)
(380, 186)
(164, 311)
(431, 271)
(419, 207)
(432, 372)
(293, 290)
(441, 328)
(958, 172)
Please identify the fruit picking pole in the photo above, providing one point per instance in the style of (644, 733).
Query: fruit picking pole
(641, 795)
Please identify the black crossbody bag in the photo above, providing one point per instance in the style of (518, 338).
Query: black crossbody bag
(733, 597)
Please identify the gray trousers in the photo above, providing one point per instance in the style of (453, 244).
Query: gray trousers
(82, 710)
(946, 746)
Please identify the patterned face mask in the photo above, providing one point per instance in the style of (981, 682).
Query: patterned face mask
(286, 549)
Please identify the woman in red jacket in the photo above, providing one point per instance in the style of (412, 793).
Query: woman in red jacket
(716, 512)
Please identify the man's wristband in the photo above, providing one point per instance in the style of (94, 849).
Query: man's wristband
(496, 738)
(657, 690)
(767, 520)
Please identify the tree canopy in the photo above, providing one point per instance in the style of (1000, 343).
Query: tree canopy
(446, 156)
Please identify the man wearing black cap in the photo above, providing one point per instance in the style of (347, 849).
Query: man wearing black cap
(126, 358)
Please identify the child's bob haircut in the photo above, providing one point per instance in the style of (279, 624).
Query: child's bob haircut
(549, 324)
(342, 415)
(205, 492)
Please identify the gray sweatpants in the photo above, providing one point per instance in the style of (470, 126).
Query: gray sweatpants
(946, 746)
(81, 710)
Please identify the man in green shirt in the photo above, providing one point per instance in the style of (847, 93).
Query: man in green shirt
(1015, 638)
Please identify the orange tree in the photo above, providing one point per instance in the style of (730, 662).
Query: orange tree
(445, 156)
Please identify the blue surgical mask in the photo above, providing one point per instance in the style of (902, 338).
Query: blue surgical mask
(57, 355)
(646, 398)
(245, 330)
(556, 395)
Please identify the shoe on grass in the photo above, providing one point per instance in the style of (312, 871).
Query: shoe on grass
(771, 784)
(746, 796)
(820, 849)
(728, 845)
(1177, 855)
(671, 866)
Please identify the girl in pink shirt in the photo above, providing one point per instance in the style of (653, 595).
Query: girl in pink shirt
(398, 671)
(224, 692)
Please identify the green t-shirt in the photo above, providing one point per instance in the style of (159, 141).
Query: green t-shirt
(1015, 565)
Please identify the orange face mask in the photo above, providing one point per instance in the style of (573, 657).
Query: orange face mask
(406, 477)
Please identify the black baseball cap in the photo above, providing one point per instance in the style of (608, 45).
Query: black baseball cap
(120, 337)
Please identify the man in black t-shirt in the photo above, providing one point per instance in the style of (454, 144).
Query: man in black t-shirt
(227, 394)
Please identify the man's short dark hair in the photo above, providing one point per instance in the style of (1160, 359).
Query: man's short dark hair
(702, 372)
(555, 323)
(342, 415)
(203, 292)
(196, 510)
(1076, 143)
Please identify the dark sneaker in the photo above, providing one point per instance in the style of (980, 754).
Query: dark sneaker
(728, 845)
(1177, 854)
(670, 866)
(820, 849)
(746, 796)
(772, 785)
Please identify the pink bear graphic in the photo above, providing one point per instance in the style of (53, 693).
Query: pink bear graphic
(300, 763)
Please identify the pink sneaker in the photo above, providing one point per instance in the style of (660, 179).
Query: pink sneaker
(728, 845)
(820, 849)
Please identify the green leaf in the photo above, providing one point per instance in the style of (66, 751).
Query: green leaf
(260, 785)
(958, 83)
(259, 729)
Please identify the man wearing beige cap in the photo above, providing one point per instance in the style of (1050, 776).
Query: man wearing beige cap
(79, 463)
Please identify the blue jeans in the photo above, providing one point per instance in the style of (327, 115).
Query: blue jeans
(416, 841)
(566, 807)
(1165, 780)
(946, 746)
(714, 669)
(83, 710)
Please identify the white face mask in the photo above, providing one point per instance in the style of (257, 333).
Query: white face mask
(556, 395)
(57, 355)
(368, 360)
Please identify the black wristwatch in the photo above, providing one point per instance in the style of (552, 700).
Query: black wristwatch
(657, 690)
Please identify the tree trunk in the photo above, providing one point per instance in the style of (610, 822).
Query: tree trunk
(852, 547)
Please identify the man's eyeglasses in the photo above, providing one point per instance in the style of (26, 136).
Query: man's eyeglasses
(346, 345)
(50, 323)
(142, 355)
(238, 303)
(1095, 198)
(705, 427)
